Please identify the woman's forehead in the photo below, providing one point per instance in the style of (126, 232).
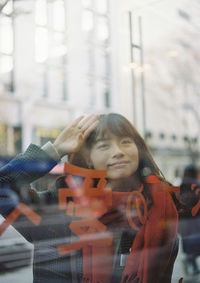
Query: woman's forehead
(107, 135)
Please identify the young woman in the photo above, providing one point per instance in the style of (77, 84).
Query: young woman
(144, 244)
(116, 146)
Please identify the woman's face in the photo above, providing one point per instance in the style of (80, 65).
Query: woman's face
(117, 155)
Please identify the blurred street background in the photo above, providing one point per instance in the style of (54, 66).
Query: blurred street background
(62, 58)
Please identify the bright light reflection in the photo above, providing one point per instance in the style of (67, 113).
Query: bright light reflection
(57, 38)
(86, 3)
(41, 45)
(101, 6)
(102, 30)
(6, 64)
(6, 37)
(87, 21)
(8, 8)
(147, 66)
(133, 65)
(126, 69)
(41, 12)
(59, 16)
(173, 53)
(58, 51)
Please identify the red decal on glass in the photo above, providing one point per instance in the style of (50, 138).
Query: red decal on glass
(135, 199)
(91, 233)
(88, 202)
(20, 209)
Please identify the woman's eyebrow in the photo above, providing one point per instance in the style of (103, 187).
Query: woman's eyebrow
(102, 140)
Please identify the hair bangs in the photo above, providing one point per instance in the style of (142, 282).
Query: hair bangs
(110, 124)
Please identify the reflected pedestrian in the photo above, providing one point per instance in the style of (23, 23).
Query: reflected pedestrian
(189, 225)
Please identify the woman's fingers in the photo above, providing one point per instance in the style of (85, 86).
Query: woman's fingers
(77, 120)
(87, 121)
(92, 126)
(73, 136)
(87, 125)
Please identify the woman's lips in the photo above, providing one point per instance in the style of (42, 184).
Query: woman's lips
(120, 164)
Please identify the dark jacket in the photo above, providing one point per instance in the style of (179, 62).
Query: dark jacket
(48, 265)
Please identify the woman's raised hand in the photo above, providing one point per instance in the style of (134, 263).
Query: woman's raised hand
(73, 137)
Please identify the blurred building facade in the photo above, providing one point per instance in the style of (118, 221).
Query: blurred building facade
(156, 79)
(54, 64)
(62, 58)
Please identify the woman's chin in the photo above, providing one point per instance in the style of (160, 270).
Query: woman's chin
(117, 176)
(121, 172)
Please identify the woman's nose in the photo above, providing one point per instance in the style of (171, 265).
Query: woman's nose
(116, 151)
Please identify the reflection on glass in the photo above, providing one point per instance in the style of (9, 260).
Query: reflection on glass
(107, 98)
(40, 12)
(3, 139)
(8, 8)
(59, 16)
(6, 36)
(41, 44)
(91, 60)
(102, 29)
(57, 47)
(86, 3)
(57, 38)
(87, 21)
(58, 51)
(6, 64)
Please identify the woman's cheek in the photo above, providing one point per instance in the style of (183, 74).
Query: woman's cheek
(99, 160)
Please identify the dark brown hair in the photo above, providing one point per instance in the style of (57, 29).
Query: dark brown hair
(118, 125)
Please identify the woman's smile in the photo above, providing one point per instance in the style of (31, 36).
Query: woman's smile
(119, 164)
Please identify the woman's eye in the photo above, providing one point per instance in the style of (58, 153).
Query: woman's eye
(103, 145)
(126, 141)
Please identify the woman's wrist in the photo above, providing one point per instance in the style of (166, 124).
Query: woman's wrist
(52, 151)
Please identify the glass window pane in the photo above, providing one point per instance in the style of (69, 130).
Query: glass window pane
(3, 139)
(8, 8)
(55, 83)
(6, 36)
(41, 45)
(102, 29)
(56, 46)
(6, 64)
(87, 20)
(59, 16)
(102, 6)
(41, 12)
(86, 3)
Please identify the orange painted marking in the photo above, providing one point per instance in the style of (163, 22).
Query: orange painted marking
(152, 179)
(88, 200)
(91, 233)
(173, 189)
(88, 203)
(20, 209)
(138, 199)
(83, 172)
